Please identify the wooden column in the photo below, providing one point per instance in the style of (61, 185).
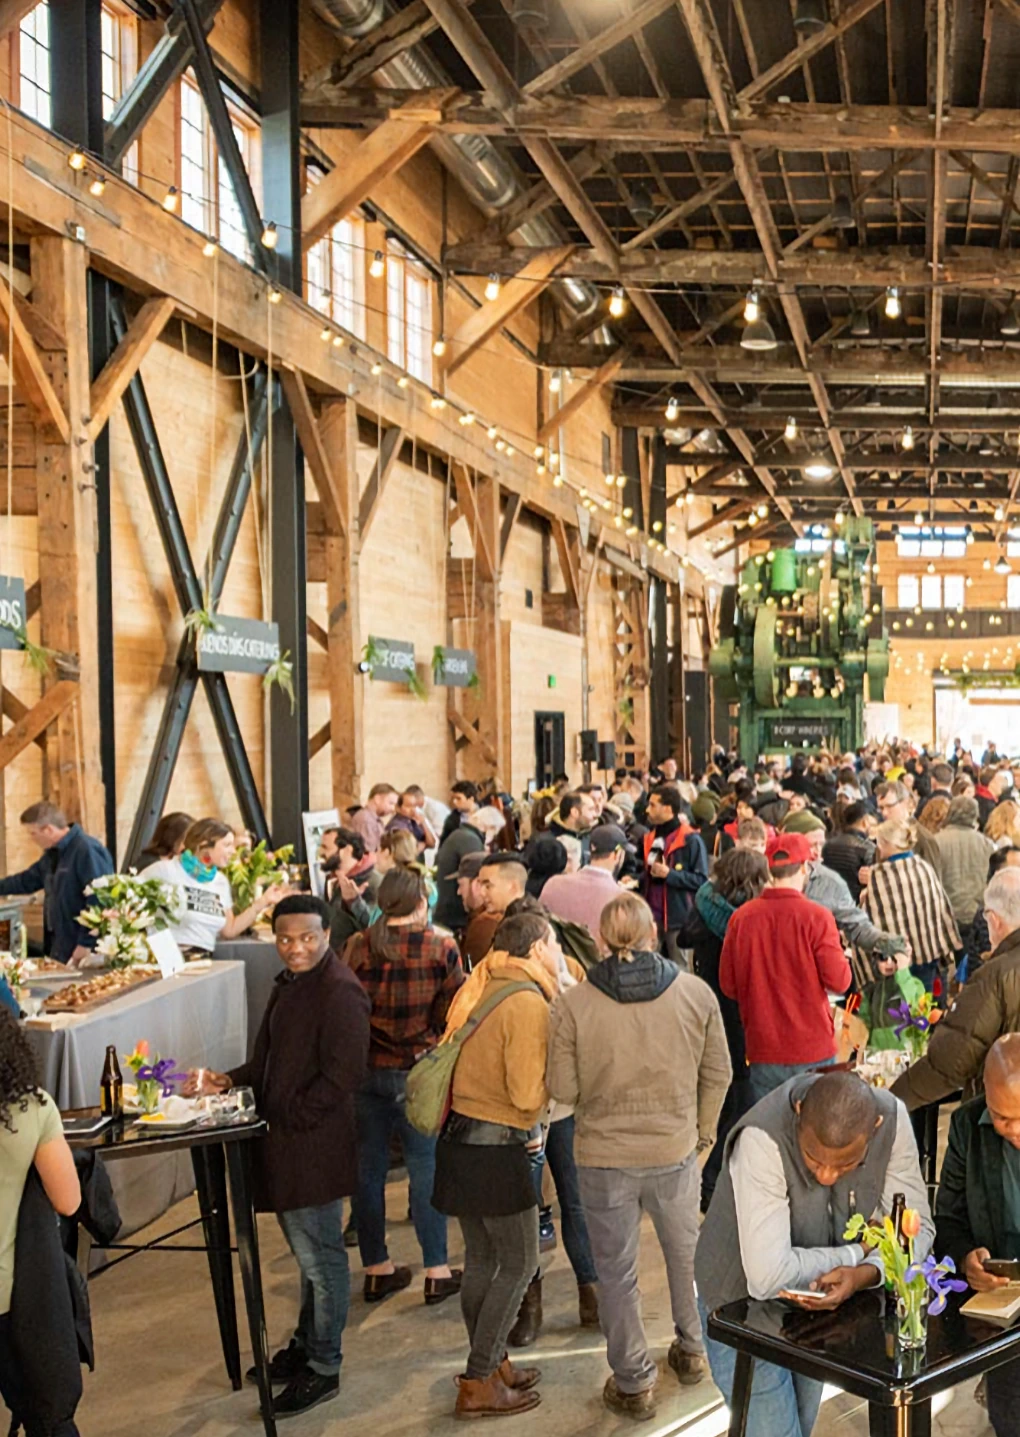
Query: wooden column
(68, 533)
(338, 427)
(479, 717)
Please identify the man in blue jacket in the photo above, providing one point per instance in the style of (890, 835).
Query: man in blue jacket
(676, 865)
(69, 863)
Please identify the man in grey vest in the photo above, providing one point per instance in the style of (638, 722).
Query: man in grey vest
(795, 1168)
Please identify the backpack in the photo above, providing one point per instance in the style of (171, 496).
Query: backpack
(430, 1081)
(577, 943)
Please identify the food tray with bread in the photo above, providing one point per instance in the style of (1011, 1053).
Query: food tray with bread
(83, 997)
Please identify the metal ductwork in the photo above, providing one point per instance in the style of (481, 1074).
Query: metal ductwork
(478, 164)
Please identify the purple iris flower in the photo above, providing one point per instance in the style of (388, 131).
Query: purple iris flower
(936, 1275)
(162, 1073)
(901, 1011)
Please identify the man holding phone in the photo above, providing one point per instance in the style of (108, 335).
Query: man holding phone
(795, 1169)
(977, 1208)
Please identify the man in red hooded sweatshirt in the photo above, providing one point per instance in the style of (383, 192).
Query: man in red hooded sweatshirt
(676, 865)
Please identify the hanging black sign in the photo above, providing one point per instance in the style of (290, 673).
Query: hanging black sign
(238, 646)
(457, 669)
(12, 611)
(802, 730)
(392, 660)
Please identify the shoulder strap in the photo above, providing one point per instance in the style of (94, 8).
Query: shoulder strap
(492, 1000)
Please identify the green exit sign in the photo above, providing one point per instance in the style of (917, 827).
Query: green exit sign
(551, 680)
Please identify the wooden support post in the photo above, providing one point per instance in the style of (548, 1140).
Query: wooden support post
(489, 737)
(68, 533)
(122, 366)
(55, 702)
(338, 426)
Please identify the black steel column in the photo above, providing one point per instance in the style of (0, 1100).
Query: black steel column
(76, 89)
(657, 638)
(281, 184)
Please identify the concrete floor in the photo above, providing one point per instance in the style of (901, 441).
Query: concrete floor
(159, 1367)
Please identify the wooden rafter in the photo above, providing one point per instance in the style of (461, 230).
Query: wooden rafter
(125, 361)
(582, 57)
(511, 513)
(481, 324)
(568, 562)
(318, 460)
(37, 719)
(806, 49)
(604, 375)
(30, 373)
(486, 560)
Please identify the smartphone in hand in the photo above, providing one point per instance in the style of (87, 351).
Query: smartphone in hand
(1002, 1267)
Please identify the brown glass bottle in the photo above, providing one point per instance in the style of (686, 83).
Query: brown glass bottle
(111, 1086)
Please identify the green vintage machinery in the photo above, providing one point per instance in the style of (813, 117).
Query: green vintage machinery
(797, 636)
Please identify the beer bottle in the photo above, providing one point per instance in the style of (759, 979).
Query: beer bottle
(899, 1206)
(111, 1087)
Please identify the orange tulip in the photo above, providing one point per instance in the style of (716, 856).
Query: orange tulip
(911, 1224)
(142, 1048)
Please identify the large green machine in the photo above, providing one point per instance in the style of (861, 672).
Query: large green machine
(797, 636)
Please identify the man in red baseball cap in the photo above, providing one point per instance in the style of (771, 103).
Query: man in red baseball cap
(781, 959)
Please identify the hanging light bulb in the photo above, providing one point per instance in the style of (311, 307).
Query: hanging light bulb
(931, 567)
(492, 431)
(492, 287)
(467, 419)
(790, 429)
(907, 438)
(439, 347)
(378, 266)
(376, 368)
(325, 334)
(611, 480)
(672, 409)
(170, 200)
(270, 237)
(987, 565)
(763, 510)
(554, 459)
(657, 526)
(689, 496)
(557, 481)
(76, 159)
(500, 445)
(538, 451)
(919, 519)
(1000, 513)
(209, 248)
(752, 306)
(893, 308)
(274, 298)
(556, 381)
(403, 382)
(621, 481)
(437, 402)
(510, 451)
(1002, 565)
(618, 302)
(338, 341)
(97, 186)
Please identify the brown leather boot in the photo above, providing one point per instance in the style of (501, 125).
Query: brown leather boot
(587, 1304)
(520, 1379)
(491, 1397)
(639, 1405)
(529, 1319)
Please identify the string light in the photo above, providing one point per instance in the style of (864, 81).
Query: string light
(621, 481)
(492, 287)
(611, 480)
(325, 334)
(466, 419)
(76, 159)
(907, 439)
(209, 248)
(538, 451)
(672, 409)
(97, 186)
(618, 302)
(752, 306)
(378, 266)
(338, 341)
(893, 308)
(439, 348)
(376, 369)
(1000, 514)
(437, 402)
(554, 459)
(270, 237)
(170, 200)
(557, 481)
(657, 526)
(790, 430)
(403, 382)
(275, 296)
(492, 431)
(556, 381)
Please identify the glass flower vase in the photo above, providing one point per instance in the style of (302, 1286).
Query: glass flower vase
(912, 1314)
(148, 1095)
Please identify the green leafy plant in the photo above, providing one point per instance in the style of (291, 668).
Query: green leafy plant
(371, 656)
(252, 869)
(200, 621)
(416, 684)
(38, 656)
(438, 663)
(123, 909)
(280, 674)
(474, 682)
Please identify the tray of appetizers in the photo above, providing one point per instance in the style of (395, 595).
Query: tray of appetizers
(35, 970)
(83, 997)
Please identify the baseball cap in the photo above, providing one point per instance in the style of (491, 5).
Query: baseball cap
(607, 839)
(470, 865)
(788, 848)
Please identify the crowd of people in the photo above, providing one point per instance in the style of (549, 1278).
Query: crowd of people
(638, 989)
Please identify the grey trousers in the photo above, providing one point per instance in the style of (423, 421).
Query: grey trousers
(614, 1200)
(500, 1259)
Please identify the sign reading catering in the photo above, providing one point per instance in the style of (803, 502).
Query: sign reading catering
(457, 668)
(392, 660)
(238, 646)
(12, 611)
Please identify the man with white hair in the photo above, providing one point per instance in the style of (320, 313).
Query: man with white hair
(984, 1009)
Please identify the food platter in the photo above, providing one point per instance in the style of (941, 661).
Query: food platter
(92, 994)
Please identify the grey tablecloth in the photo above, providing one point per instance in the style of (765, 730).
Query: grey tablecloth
(261, 967)
(200, 1019)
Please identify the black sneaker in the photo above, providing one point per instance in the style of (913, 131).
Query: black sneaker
(305, 1392)
(380, 1285)
(546, 1231)
(284, 1366)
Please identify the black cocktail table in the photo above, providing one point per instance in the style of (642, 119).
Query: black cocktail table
(854, 1348)
(214, 1152)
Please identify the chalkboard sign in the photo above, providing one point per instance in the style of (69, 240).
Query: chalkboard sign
(802, 730)
(238, 646)
(457, 669)
(12, 611)
(392, 660)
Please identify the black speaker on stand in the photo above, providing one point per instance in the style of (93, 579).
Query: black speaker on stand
(589, 750)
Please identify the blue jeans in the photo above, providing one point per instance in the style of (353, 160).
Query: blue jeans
(559, 1154)
(764, 1078)
(783, 1404)
(380, 1112)
(315, 1235)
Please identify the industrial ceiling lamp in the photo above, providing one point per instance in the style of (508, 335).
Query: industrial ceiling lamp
(843, 213)
(530, 14)
(1002, 565)
(809, 17)
(1009, 325)
(860, 323)
(758, 336)
(819, 467)
(642, 206)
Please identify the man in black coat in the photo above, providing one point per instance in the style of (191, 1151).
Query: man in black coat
(310, 1056)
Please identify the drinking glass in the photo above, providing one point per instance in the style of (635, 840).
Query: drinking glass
(244, 1102)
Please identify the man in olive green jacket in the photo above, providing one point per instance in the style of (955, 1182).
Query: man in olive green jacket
(984, 1009)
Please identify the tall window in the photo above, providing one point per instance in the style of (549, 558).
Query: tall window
(1013, 591)
(908, 593)
(120, 64)
(408, 314)
(34, 64)
(931, 591)
(336, 275)
(207, 196)
(954, 588)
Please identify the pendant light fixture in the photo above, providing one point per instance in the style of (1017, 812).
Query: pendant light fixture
(1002, 565)
(860, 324)
(1009, 325)
(843, 213)
(809, 18)
(758, 336)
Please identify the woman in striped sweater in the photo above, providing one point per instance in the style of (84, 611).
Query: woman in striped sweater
(904, 895)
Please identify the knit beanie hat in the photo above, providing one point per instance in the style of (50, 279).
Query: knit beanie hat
(703, 808)
(803, 822)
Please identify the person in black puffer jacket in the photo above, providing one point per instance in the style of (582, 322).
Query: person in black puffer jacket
(739, 876)
(849, 849)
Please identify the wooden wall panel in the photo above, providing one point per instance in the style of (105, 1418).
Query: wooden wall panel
(535, 655)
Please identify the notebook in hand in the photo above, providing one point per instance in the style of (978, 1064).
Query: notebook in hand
(1001, 1307)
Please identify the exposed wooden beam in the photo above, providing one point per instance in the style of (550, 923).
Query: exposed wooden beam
(481, 324)
(317, 632)
(537, 199)
(320, 738)
(804, 51)
(37, 719)
(385, 462)
(374, 159)
(604, 375)
(30, 374)
(125, 361)
(385, 42)
(568, 563)
(579, 59)
(736, 510)
(486, 556)
(314, 450)
(15, 710)
(339, 429)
